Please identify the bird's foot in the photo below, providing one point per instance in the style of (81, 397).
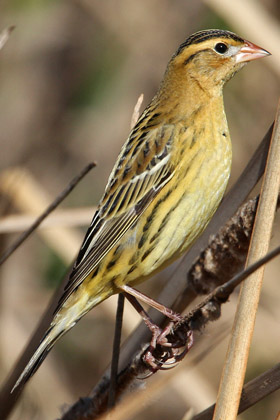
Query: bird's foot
(164, 351)
(163, 354)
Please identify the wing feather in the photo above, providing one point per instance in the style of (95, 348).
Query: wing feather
(125, 199)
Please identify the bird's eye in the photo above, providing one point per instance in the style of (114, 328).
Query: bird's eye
(221, 48)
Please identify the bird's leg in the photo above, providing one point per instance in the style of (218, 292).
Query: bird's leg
(158, 334)
(155, 329)
(153, 303)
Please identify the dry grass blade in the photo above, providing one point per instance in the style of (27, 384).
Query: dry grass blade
(236, 359)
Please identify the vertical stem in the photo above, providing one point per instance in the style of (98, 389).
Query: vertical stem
(116, 352)
(238, 350)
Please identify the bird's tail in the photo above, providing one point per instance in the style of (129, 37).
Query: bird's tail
(51, 336)
(63, 321)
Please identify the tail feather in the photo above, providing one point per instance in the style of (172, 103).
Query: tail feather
(63, 321)
(51, 336)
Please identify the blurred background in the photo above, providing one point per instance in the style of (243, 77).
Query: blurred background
(70, 76)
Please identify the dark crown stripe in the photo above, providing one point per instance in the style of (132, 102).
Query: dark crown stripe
(202, 36)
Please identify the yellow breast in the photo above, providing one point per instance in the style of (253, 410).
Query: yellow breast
(185, 205)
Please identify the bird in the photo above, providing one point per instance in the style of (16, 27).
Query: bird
(167, 183)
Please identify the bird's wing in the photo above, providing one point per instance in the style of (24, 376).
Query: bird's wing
(142, 169)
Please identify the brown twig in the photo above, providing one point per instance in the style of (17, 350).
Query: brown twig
(116, 353)
(45, 214)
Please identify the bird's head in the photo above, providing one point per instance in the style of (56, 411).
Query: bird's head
(211, 57)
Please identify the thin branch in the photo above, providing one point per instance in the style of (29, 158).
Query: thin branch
(116, 352)
(45, 214)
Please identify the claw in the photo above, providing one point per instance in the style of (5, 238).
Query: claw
(167, 367)
(170, 357)
(142, 378)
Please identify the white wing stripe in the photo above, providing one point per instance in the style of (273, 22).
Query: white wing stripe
(151, 171)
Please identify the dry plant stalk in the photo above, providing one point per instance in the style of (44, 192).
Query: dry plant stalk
(238, 351)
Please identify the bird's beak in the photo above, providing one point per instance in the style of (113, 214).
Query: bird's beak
(250, 52)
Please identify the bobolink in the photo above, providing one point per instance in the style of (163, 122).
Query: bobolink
(168, 180)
